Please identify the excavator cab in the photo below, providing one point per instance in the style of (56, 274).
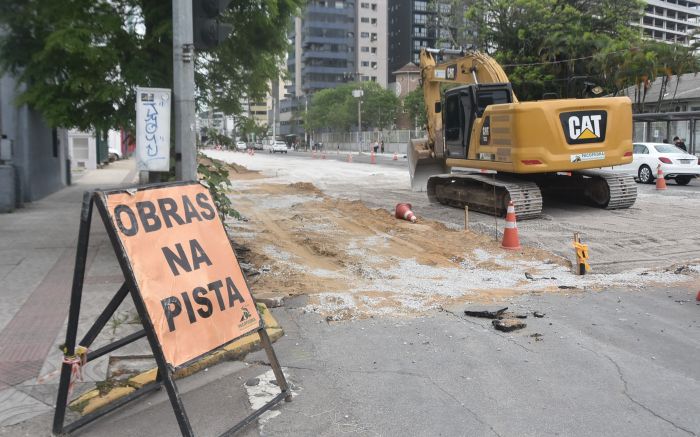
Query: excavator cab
(463, 105)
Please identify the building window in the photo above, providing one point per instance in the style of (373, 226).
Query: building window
(364, 34)
(419, 31)
(374, 36)
(374, 65)
(364, 49)
(374, 50)
(365, 63)
(420, 18)
(374, 78)
(420, 5)
(364, 20)
(374, 21)
(374, 6)
(445, 8)
(364, 5)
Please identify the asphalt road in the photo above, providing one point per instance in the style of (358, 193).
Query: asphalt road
(616, 362)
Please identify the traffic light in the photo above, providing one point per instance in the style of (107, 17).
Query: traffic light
(208, 30)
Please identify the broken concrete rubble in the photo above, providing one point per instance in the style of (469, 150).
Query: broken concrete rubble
(508, 325)
(490, 312)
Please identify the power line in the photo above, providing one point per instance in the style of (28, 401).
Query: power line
(562, 61)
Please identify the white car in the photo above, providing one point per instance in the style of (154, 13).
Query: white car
(241, 146)
(278, 146)
(675, 163)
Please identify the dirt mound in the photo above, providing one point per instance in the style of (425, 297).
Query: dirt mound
(305, 187)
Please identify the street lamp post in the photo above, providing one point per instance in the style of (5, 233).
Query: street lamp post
(358, 95)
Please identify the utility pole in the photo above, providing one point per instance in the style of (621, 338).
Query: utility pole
(183, 91)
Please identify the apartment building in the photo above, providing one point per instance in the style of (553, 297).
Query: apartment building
(672, 21)
(414, 24)
(333, 42)
(372, 41)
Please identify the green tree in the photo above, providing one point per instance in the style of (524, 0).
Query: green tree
(79, 61)
(414, 105)
(336, 108)
(249, 128)
(544, 44)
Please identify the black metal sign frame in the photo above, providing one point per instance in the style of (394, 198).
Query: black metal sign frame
(165, 372)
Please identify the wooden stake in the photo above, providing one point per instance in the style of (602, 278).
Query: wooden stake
(466, 217)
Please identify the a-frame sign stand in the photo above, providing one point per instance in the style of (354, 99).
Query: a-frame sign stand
(76, 353)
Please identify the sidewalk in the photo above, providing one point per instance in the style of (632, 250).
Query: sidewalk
(37, 256)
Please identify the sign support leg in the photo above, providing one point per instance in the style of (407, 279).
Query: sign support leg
(74, 310)
(279, 375)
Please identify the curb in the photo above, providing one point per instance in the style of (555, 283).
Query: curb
(105, 393)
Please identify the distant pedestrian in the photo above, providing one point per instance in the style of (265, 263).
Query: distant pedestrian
(681, 145)
(382, 146)
(376, 146)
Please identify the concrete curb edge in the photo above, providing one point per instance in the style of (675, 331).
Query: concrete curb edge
(100, 397)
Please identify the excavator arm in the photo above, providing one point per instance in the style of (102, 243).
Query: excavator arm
(427, 156)
(469, 68)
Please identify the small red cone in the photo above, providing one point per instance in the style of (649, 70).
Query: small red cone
(372, 158)
(660, 181)
(698, 297)
(396, 157)
(403, 211)
(510, 233)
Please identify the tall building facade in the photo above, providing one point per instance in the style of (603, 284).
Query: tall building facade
(332, 43)
(372, 47)
(414, 24)
(672, 21)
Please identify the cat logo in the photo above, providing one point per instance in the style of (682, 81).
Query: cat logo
(582, 127)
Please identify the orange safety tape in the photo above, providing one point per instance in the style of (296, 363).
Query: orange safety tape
(76, 362)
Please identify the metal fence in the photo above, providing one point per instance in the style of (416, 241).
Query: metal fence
(394, 140)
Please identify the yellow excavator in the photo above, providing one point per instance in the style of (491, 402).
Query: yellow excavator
(551, 147)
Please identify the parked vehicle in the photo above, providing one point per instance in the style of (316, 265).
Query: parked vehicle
(278, 146)
(241, 146)
(258, 146)
(674, 162)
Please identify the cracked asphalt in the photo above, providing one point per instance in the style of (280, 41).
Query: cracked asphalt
(616, 362)
(609, 363)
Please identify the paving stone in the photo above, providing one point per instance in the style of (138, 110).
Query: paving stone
(16, 407)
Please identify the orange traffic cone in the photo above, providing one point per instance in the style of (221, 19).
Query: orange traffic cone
(510, 233)
(372, 158)
(403, 211)
(396, 157)
(349, 158)
(660, 181)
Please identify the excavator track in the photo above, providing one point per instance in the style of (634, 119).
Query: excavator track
(487, 193)
(622, 189)
(602, 189)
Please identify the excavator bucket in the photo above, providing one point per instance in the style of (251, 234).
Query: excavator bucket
(422, 165)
